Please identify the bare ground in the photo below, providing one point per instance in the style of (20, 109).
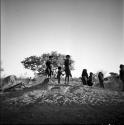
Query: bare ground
(85, 105)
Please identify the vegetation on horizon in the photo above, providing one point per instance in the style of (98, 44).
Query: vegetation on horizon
(37, 63)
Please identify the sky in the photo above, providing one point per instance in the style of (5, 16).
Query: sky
(91, 31)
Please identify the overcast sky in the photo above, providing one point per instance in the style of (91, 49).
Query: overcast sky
(91, 31)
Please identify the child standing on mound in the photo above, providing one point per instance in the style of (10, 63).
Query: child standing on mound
(101, 79)
(49, 67)
(67, 64)
(59, 73)
(121, 74)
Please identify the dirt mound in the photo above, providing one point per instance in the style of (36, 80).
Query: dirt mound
(73, 103)
(66, 95)
(111, 84)
(8, 81)
(114, 84)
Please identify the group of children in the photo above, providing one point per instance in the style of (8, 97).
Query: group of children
(67, 64)
(86, 80)
(89, 80)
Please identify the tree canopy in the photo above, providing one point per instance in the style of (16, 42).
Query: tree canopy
(38, 65)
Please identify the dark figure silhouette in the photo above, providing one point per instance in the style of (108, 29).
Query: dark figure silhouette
(49, 67)
(67, 64)
(121, 74)
(101, 79)
(90, 79)
(59, 73)
(84, 77)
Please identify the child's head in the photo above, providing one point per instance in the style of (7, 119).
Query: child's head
(67, 56)
(100, 73)
(50, 57)
(59, 68)
(122, 66)
(84, 70)
(91, 73)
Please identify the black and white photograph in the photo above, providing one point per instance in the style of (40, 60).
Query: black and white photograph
(62, 62)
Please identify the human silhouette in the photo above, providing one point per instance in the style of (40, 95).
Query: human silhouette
(67, 65)
(121, 74)
(101, 79)
(90, 79)
(59, 73)
(84, 77)
(49, 67)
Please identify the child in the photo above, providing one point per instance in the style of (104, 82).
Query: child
(59, 73)
(121, 74)
(90, 80)
(67, 64)
(84, 76)
(101, 79)
(49, 67)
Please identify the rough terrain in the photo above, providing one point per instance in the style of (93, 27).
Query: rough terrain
(58, 104)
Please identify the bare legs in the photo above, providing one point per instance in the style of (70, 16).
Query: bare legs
(67, 79)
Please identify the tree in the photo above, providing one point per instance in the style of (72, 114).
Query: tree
(113, 74)
(37, 64)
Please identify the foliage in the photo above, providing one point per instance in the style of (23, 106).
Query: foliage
(113, 74)
(37, 64)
